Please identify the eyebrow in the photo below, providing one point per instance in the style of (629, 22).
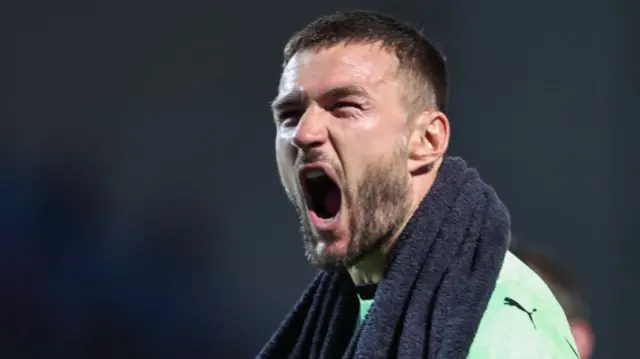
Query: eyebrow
(297, 97)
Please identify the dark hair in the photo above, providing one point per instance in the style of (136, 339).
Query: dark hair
(416, 55)
(560, 281)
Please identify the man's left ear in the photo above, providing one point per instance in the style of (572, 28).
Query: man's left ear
(429, 139)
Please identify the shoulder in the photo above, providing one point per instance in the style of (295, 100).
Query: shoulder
(523, 319)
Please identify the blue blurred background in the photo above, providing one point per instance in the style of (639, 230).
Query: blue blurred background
(140, 210)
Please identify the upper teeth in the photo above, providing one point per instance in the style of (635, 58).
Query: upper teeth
(314, 174)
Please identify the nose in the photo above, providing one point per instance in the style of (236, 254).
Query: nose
(311, 130)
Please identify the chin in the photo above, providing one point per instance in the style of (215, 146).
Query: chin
(330, 254)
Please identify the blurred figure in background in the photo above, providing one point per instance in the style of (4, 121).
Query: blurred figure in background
(565, 288)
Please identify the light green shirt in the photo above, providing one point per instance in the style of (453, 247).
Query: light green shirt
(523, 319)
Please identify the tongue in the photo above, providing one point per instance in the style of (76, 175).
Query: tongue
(332, 201)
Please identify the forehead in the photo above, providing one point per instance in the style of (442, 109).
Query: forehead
(365, 65)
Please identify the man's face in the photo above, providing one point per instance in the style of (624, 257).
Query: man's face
(341, 149)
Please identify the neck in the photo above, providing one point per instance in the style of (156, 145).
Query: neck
(370, 270)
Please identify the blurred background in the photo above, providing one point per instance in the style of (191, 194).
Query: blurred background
(140, 211)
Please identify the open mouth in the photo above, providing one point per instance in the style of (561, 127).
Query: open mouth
(321, 192)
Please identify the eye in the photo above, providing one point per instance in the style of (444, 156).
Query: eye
(346, 105)
(288, 118)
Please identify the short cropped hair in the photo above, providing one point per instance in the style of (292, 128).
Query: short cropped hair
(418, 59)
(560, 281)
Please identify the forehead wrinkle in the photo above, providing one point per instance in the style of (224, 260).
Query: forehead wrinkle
(356, 65)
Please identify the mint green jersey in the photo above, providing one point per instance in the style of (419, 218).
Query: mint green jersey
(523, 320)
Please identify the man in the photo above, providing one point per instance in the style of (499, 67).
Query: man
(411, 244)
(566, 290)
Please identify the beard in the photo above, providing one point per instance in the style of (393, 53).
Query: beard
(377, 207)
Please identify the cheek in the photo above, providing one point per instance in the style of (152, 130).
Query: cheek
(375, 133)
(373, 147)
(364, 143)
(284, 160)
(283, 144)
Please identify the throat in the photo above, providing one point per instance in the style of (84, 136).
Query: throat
(370, 270)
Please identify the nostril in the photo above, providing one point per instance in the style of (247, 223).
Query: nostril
(306, 143)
